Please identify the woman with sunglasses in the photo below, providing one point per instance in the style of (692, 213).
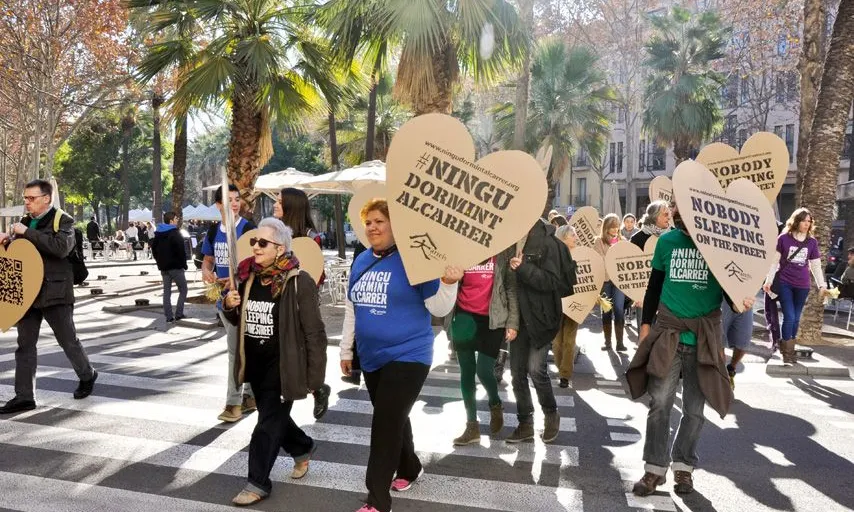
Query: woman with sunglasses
(391, 319)
(281, 351)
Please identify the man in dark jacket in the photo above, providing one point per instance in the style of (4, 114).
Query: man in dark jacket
(55, 301)
(93, 230)
(538, 280)
(167, 247)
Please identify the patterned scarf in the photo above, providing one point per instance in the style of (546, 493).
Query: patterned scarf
(653, 230)
(276, 273)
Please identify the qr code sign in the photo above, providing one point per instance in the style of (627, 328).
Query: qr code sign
(11, 281)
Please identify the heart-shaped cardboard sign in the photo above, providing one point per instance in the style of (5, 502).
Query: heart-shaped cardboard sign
(310, 256)
(244, 250)
(590, 275)
(23, 272)
(629, 267)
(354, 209)
(585, 220)
(661, 189)
(735, 230)
(447, 209)
(764, 160)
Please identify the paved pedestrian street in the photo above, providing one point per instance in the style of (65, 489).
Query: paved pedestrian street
(148, 438)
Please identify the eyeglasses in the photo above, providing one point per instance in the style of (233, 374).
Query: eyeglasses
(30, 199)
(262, 242)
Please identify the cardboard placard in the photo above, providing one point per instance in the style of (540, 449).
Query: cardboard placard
(354, 209)
(244, 250)
(22, 272)
(735, 230)
(764, 160)
(661, 189)
(591, 277)
(586, 222)
(629, 267)
(447, 209)
(310, 256)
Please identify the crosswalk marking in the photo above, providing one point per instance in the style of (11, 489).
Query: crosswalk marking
(651, 502)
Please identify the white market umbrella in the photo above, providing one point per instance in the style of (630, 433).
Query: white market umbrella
(611, 200)
(207, 213)
(346, 181)
(272, 183)
(187, 212)
(139, 215)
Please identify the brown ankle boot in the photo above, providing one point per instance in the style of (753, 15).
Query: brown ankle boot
(618, 332)
(470, 435)
(496, 418)
(787, 350)
(606, 330)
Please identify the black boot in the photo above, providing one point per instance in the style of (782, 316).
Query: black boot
(606, 330)
(618, 331)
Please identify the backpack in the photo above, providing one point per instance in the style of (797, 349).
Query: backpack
(75, 257)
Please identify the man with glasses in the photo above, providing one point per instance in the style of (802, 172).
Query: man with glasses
(55, 301)
(239, 401)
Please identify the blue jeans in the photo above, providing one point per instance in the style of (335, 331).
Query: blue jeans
(792, 300)
(661, 393)
(618, 299)
(526, 360)
(737, 327)
(179, 278)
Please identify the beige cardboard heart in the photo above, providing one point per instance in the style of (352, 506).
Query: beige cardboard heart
(590, 276)
(764, 160)
(448, 210)
(354, 209)
(310, 256)
(629, 267)
(23, 273)
(735, 231)
(585, 220)
(661, 189)
(244, 250)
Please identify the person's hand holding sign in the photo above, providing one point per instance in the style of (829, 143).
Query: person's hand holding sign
(748, 303)
(515, 262)
(510, 334)
(452, 275)
(232, 299)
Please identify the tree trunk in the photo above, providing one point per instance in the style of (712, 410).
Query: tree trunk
(371, 134)
(179, 167)
(157, 155)
(244, 146)
(523, 82)
(810, 67)
(681, 150)
(339, 207)
(444, 73)
(128, 123)
(835, 94)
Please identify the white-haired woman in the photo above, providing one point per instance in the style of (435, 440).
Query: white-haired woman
(281, 351)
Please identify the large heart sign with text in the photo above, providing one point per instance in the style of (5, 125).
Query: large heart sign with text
(735, 230)
(764, 160)
(22, 274)
(585, 220)
(590, 276)
(661, 189)
(447, 209)
(629, 267)
(309, 255)
(354, 209)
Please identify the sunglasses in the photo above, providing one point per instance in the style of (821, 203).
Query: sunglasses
(262, 242)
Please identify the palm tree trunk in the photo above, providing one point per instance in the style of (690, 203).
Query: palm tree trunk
(128, 124)
(339, 206)
(526, 10)
(827, 135)
(810, 67)
(156, 164)
(244, 146)
(681, 150)
(444, 75)
(179, 167)
(370, 136)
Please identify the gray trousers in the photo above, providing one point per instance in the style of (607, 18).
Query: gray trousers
(177, 276)
(662, 393)
(234, 395)
(61, 320)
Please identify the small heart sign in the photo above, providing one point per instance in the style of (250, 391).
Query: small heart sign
(310, 256)
(590, 275)
(629, 267)
(735, 230)
(585, 220)
(244, 250)
(764, 160)
(661, 189)
(447, 209)
(354, 209)
(23, 273)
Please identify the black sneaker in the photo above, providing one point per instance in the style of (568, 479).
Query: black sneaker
(321, 401)
(564, 383)
(180, 317)
(170, 320)
(84, 389)
(17, 405)
(730, 369)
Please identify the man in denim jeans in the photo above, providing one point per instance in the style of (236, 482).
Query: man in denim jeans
(539, 293)
(684, 339)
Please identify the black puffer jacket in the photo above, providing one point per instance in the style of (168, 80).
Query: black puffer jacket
(538, 285)
(54, 247)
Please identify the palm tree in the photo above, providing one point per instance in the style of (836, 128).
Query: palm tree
(682, 91)
(261, 60)
(568, 109)
(835, 93)
(439, 40)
